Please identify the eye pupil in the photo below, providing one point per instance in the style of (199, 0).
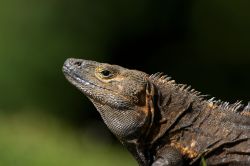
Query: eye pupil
(106, 73)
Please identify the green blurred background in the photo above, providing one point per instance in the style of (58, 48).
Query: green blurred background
(46, 121)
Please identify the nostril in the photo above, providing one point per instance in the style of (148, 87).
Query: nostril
(78, 63)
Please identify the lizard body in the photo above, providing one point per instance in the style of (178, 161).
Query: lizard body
(163, 123)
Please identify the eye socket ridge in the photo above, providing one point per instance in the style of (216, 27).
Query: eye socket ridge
(106, 73)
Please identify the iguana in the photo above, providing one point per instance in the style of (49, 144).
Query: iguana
(163, 123)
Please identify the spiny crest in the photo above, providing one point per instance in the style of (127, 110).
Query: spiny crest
(246, 110)
(236, 107)
(159, 77)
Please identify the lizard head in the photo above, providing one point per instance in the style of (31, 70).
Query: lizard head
(123, 97)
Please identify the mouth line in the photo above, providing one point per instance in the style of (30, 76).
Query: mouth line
(75, 79)
(90, 89)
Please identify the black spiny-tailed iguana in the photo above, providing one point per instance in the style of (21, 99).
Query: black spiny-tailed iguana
(160, 122)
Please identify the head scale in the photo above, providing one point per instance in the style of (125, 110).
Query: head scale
(120, 95)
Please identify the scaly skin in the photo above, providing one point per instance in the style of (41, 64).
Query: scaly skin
(160, 122)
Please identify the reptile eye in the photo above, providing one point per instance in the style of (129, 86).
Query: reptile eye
(106, 73)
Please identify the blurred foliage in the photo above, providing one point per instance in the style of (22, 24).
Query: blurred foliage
(201, 43)
(31, 140)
